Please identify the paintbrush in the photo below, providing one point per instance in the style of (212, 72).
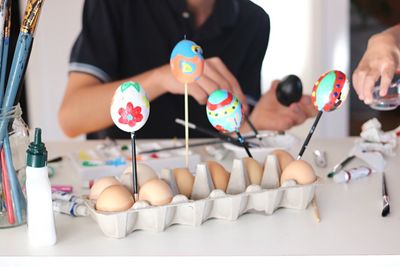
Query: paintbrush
(21, 56)
(156, 150)
(385, 196)
(340, 166)
(18, 68)
(4, 49)
(218, 135)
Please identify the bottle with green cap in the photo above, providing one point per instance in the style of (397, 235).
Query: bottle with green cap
(40, 216)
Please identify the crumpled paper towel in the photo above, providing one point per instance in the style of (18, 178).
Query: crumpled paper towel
(373, 139)
(375, 144)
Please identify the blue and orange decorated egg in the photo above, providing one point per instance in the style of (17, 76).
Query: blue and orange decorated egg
(330, 91)
(130, 107)
(224, 111)
(187, 61)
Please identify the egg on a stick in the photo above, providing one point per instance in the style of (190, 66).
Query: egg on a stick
(187, 64)
(225, 113)
(329, 93)
(130, 109)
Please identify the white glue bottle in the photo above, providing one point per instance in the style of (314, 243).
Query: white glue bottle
(40, 217)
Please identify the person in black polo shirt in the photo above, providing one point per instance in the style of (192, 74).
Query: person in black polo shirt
(125, 40)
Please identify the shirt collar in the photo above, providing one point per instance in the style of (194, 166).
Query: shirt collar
(225, 14)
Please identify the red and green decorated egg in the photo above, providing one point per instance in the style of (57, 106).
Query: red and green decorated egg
(330, 91)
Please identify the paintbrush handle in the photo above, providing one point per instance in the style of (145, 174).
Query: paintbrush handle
(384, 188)
(181, 146)
(221, 136)
(303, 148)
(16, 74)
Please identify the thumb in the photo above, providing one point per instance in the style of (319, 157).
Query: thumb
(274, 85)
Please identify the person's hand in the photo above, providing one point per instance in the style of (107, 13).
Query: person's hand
(215, 76)
(269, 114)
(381, 59)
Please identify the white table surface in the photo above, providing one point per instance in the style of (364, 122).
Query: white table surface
(351, 223)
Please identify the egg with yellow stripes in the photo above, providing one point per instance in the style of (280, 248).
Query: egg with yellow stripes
(224, 111)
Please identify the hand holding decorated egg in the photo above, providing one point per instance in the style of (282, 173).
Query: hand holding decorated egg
(130, 107)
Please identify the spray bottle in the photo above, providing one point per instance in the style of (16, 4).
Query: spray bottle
(40, 217)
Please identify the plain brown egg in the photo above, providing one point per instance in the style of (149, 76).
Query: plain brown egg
(156, 192)
(184, 180)
(254, 170)
(100, 185)
(284, 158)
(300, 171)
(114, 198)
(219, 175)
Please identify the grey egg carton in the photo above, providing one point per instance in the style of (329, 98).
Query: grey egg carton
(206, 202)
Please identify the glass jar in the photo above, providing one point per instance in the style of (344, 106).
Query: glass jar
(13, 153)
(391, 100)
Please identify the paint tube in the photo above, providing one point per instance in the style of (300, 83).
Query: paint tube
(66, 197)
(346, 176)
(69, 207)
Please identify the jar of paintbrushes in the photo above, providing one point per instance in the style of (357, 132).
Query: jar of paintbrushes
(12, 166)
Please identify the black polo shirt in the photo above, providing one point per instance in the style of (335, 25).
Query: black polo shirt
(122, 38)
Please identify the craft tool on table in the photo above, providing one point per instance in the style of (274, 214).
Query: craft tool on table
(385, 197)
(12, 91)
(346, 176)
(337, 168)
(315, 207)
(223, 137)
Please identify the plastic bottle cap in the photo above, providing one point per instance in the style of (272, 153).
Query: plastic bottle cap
(37, 153)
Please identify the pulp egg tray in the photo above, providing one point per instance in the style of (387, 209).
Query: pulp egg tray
(206, 202)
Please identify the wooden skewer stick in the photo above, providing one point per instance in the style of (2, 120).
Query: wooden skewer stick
(314, 203)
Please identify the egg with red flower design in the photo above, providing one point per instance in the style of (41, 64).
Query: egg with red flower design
(130, 107)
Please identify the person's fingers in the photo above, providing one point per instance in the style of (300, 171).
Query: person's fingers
(274, 86)
(207, 84)
(226, 73)
(308, 107)
(282, 123)
(297, 113)
(358, 81)
(272, 121)
(369, 83)
(211, 72)
(269, 97)
(386, 79)
(198, 93)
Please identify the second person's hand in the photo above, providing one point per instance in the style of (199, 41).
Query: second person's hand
(269, 114)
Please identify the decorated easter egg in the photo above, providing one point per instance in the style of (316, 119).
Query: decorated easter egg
(187, 61)
(224, 111)
(130, 107)
(330, 91)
